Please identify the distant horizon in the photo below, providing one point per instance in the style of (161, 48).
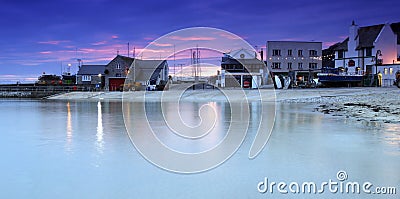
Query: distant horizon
(45, 36)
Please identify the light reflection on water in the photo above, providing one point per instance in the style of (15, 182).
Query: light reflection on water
(69, 127)
(99, 133)
(81, 150)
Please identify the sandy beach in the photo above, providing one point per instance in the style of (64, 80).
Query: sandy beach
(360, 104)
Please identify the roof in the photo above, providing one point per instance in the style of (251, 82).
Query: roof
(147, 69)
(91, 70)
(242, 53)
(342, 45)
(233, 61)
(396, 29)
(367, 35)
(294, 41)
(127, 60)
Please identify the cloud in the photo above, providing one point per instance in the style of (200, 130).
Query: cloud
(192, 38)
(149, 38)
(114, 37)
(99, 43)
(45, 52)
(53, 42)
(228, 36)
(161, 44)
(12, 79)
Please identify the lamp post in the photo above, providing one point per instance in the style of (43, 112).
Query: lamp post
(378, 54)
(100, 81)
(69, 69)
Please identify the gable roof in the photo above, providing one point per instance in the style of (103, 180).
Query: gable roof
(233, 61)
(91, 70)
(242, 54)
(127, 60)
(341, 45)
(367, 35)
(147, 69)
(396, 29)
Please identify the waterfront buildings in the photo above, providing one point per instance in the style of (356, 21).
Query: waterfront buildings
(242, 68)
(368, 47)
(300, 57)
(112, 76)
(116, 71)
(91, 75)
(147, 73)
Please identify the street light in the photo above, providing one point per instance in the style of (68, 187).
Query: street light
(377, 61)
(378, 54)
(100, 80)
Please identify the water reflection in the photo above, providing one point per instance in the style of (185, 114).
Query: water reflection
(69, 128)
(392, 137)
(99, 134)
(189, 113)
(304, 146)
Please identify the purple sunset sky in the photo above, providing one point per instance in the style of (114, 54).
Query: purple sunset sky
(40, 36)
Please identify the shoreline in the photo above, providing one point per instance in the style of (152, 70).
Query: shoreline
(369, 104)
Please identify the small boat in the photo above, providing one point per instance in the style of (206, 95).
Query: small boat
(278, 82)
(333, 77)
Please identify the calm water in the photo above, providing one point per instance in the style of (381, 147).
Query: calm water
(81, 150)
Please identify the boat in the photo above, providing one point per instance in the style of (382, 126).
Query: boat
(336, 77)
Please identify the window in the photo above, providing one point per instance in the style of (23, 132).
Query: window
(313, 65)
(351, 63)
(276, 65)
(368, 52)
(86, 78)
(385, 71)
(289, 65)
(276, 52)
(313, 53)
(300, 53)
(289, 52)
(340, 54)
(391, 71)
(118, 66)
(300, 65)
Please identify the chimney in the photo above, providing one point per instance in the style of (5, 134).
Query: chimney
(353, 31)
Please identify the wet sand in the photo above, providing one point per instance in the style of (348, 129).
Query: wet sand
(367, 104)
(360, 104)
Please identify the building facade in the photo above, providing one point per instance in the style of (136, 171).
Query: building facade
(91, 75)
(299, 56)
(368, 47)
(147, 73)
(116, 71)
(242, 68)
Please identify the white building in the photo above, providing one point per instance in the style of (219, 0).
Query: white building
(300, 57)
(242, 68)
(368, 47)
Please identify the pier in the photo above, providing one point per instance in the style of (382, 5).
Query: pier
(40, 91)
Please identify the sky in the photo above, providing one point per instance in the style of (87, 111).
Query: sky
(45, 36)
